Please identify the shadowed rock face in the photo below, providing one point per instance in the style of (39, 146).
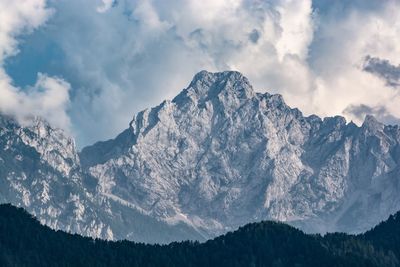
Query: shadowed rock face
(220, 155)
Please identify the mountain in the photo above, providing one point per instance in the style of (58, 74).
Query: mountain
(25, 242)
(40, 170)
(220, 155)
(38, 162)
(216, 157)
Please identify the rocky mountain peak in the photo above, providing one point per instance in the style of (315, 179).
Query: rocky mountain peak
(372, 124)
(246, 156)
(216, 157)
(207, 86)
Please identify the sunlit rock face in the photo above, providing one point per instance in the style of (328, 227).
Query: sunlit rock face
(217, 156)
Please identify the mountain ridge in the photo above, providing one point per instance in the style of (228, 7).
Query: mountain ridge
(220, 155)
(214, 101)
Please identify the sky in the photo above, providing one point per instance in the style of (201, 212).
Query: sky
(89, 66)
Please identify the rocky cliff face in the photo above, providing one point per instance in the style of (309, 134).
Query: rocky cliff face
(217, 156)
(39, 169)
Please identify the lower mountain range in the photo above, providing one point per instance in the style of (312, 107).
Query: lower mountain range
(25, 242)
(216, 157)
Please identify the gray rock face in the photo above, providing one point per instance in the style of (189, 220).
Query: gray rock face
(217, 156)
(39, 170)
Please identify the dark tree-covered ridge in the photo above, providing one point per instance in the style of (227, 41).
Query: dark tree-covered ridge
(25, 242)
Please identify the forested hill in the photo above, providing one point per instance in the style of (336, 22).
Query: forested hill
(25, 242)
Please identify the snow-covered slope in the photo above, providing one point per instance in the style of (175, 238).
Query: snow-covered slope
(217, 156)
(220, 155)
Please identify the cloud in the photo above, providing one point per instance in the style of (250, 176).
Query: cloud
(49, 97)
(380, 112)
(106, 5)
(344, 38)
(126, 56)
(382, 68)
(19, 17)
(137, 53)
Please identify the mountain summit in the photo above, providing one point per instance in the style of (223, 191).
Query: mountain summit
(220, 155)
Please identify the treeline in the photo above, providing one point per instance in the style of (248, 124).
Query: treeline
(25, 242)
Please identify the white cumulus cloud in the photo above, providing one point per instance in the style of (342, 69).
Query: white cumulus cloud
(123, 56)
(137, 53)
(49, 97)
(105, 5)
(344, 41)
